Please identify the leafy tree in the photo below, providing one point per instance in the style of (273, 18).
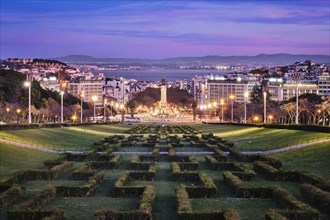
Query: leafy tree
(131, 105)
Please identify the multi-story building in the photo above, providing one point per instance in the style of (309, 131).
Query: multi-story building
(90, 88)
(324, 84)
(117, 89)
(284, 91)
(222, 89)
(199, 89)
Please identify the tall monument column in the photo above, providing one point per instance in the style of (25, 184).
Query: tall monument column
(163, 97)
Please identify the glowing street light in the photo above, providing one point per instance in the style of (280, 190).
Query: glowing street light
(74, 117)
(62, 94)
(94, 99)
(28, 84)
(222, 102)
(246, 96)
(121, 107)
(82, 95)
(18, 111)
(62, 88)
(232, 98)
(270, 118)
(256, 118)
(111, 106)
(104, 104)
(265, 107)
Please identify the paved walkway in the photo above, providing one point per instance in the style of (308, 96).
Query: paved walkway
(287, 148)
(243, 152)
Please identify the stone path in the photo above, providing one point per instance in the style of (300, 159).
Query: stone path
(243, 152)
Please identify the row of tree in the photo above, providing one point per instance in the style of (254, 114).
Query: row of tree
(313, 110)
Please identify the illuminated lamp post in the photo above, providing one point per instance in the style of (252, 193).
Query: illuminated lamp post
(265, 107)
(8, 110)
(62, 94)
(18, 111)
(270, 118)
(246, 96)
(74, 118)
(232, 98)
(104, 104)
(82, 95)
(222, 102)
(121, 107)
(28, 84)
(94, 99)
(111, 106)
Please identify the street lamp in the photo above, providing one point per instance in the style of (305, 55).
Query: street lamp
(74, 117)
(222, 102)
(246, 96)
(111, 106)
(232, 98)
(62, 94)
(28, 84)
(297, 79)
(265, 117)
(104, 104)
(121, 107)
(94, 99)
(82, 95)
(18, 111)
(270, 118)
(7, 115)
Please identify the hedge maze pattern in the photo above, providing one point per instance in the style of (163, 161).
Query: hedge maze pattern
(188, 178)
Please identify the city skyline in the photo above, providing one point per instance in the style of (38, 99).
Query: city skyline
(161, 29)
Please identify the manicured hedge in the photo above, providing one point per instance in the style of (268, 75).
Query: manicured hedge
(126, 191)
(51, 163)
(206, 187)
(11, 194)
(293, 208)
(48, 174)
(83, 190)
(144, 211)
(298, 176)
(316, 196)
(83, 173)
(297, 209)
(185, 211)
(55, 214)
(112, 164)
(31, 208)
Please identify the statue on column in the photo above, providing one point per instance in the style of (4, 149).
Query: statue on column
(163, 97)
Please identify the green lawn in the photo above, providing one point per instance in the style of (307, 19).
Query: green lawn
(314, 158)
(255, 139)
(66, 138)
(247, 208)
(13, 158)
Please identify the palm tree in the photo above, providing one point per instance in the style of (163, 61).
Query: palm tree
(194, 106)
(131, 105)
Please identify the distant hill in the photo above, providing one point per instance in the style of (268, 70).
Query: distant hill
(277, 59)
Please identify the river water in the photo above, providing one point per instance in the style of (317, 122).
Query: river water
(156, 75)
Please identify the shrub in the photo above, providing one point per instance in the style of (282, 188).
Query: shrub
(316, 196)
(184, 204)
(11, 194)
(113, 163)
(146, 200)
(82, 173)
(286, 200)
(84, 190)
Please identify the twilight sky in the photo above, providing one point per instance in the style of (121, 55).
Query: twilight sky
(161, 29)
